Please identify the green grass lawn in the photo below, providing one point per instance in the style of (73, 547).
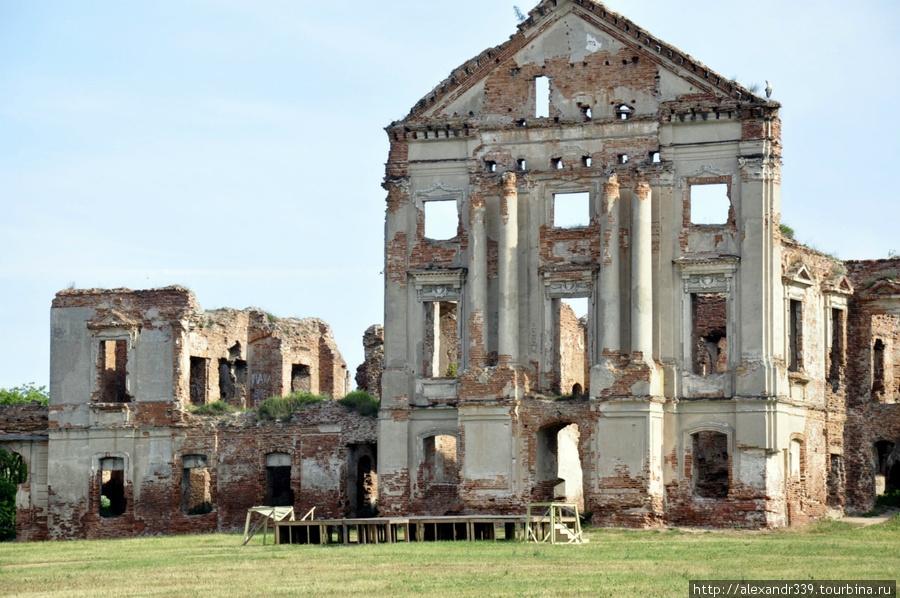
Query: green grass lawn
(615, 563)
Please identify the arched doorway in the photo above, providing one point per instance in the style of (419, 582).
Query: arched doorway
(13, 471)
(438, 477)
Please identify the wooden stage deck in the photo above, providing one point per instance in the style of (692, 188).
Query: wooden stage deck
(377, 530)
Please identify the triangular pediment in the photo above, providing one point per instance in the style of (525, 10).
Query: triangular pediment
(581, 34)
(883, 289)
(839, 285)
(112, 318)
(800, 274)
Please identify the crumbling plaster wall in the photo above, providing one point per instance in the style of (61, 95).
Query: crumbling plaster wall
(637, 125)
(873, 414)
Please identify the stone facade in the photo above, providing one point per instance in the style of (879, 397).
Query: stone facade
(715, 392)
(126, 365)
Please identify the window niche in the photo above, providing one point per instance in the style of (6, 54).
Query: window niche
(195, 486)
(278, 480)
(707, 332)
(441, 340)
(199, 374)
(439, 292)
(878, 369)
(541, 97)
(837, 354)
(709, 318)
(571, 210)
(795, 335)
(112, 371)
(441, 219)
(710, 466)
(440, 208)
(710, 203)
(112, 487)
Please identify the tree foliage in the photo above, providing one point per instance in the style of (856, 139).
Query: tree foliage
(13, 472)
(26, 393)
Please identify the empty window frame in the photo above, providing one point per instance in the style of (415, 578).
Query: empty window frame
(541, 97)
(571, 210)
(710, 464)
(558, 471)
(300, 378)
(709, 318)
(521, 164)
(112, 371)
(441, 219)
(710, 203)
(441, 344)
(838, 353)
(835, 481)
(278, 481)
(440, 465)
(112, 487)
(878, 368)
(571, 368)
(624, 112)
(195, 486)
(795, 336)
(198, 380)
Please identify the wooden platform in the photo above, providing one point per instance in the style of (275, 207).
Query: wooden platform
(377, 530)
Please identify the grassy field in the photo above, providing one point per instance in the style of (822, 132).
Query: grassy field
(615, 563)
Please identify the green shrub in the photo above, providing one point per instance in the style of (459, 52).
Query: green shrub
(891, 498)
(361, 402)
(106, 507)
(24, 394)
(215, 408)
(786, 231)
(283, 407)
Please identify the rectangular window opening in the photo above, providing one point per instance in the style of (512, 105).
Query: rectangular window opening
(112, 487)
(795, 363)
(622, 159)
(709, 318)
(278, 480)
(441, 219)
(300, 378)
(835, 481)
(878, 368)
(490, 166)
(571, 370)
(439, 466)
(710, 203)
(541, 97)
(586, 161)
(520, 164)
(441, 359)
(195, 493)
(571, 210)
(198, 379)
(655, 158)
(112, 364)
(837, 354)
(710, 464)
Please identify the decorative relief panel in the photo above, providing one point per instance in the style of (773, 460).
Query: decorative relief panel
(568, 288)
(438, 285)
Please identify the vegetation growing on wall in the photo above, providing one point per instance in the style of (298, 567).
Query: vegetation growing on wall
(361, 402)
(282, 408)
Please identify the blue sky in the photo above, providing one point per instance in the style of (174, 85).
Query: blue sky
(237, 148)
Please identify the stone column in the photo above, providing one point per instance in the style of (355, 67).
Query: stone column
(477, 281)
(641, 275)
(508, 268)
(610, 311)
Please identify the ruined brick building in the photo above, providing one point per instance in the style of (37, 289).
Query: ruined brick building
(125, 365)
(734, 377)
(723, 374)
